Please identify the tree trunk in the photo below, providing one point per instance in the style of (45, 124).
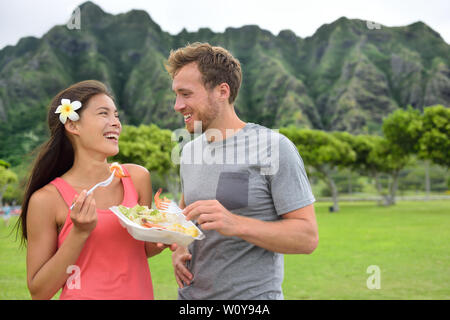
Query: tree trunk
(2, 191)
(350, 191)
(427, 179)
(334, 193)
(333, 188)
(393, 187)
(385, 197)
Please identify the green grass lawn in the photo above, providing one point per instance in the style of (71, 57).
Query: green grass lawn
(409, 242)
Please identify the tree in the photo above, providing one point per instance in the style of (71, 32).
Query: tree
(322, 151)
(7, 177)
(151, 147)
(434, 142)
(386, 157)
(4, 164)
(371, 159)
(402, 130)
(362, 145)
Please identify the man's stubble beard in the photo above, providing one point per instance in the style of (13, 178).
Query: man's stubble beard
(207, 117)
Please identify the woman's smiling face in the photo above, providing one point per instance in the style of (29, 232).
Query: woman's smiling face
(99, 126)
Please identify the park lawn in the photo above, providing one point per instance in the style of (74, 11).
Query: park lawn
(409, 242)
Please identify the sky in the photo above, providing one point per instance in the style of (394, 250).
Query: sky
(20, 18)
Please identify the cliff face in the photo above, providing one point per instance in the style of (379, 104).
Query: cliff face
(344, 77)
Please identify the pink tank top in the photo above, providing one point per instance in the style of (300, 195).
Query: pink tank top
(113, 265)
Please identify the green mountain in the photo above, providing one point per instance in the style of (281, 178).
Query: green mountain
(344, 77)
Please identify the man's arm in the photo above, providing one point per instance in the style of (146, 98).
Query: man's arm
(296, 232)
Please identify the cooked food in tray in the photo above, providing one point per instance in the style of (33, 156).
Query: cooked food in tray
(154, 218)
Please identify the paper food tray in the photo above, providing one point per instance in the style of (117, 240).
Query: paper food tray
(158, 235)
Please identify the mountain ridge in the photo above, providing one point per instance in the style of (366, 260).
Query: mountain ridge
(343, 77)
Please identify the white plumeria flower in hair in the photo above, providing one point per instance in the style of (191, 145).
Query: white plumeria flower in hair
(67, 110)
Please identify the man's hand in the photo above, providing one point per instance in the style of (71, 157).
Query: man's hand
(182, 274)
(212, 215)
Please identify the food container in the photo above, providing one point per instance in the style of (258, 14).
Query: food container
(159, 235)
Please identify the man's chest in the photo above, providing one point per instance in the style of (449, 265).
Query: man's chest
(239, 188)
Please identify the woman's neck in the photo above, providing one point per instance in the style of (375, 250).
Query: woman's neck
(87, 170)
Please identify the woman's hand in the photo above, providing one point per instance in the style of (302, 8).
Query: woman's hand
(163, 246)
(84, 213)
(154, 248)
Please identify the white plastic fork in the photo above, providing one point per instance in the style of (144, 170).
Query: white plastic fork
(100, 184)
(170, 207)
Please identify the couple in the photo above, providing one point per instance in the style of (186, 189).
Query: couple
(249, 218)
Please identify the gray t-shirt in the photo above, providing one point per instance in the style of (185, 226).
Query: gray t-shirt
(257, 173)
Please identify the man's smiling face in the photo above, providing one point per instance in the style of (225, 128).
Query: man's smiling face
(193, 100)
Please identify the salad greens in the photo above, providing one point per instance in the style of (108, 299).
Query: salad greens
(138, 212)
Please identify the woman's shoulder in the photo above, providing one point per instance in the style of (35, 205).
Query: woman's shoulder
(141, 180)
(44, 196)
(139, 174)
(45, 193)
(136, 170)
(46, 211)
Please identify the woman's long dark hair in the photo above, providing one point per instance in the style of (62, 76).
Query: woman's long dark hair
(56, 156)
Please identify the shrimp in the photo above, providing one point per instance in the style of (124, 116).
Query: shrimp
(118, 170)
(148, 224)
(161, 204)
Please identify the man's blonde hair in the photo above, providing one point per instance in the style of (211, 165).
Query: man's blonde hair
(216, 65)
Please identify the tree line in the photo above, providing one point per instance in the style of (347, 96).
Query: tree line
(406, 133)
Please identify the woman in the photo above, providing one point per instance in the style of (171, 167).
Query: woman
(85, 250)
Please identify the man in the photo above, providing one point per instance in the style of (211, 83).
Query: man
(251, 198)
